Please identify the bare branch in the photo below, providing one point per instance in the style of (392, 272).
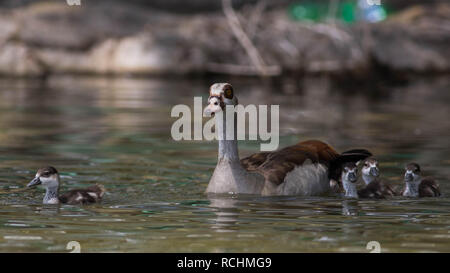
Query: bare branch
(255, 17)
(241, 36)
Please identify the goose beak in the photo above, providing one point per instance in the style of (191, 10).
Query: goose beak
(208, 112)
(215, 105)
(374, 172)
(36, 181)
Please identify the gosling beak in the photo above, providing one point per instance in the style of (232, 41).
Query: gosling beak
(352, 177)
(374, 172)
(36, 181)
(408, 177)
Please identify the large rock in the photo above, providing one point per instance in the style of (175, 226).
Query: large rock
(17, 59)
(57, 25)
(417, 39)
(140, 54)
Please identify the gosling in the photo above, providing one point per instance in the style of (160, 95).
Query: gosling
(49, 178)
(374, 185)
(416, 186)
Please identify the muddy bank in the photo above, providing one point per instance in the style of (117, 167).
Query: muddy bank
(53, 38)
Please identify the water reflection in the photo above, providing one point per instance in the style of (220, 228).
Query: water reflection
(226, 213)
(48, 210)
(350, 207)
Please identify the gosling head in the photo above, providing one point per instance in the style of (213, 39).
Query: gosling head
(412, 172)
(370, 170)
(350, 172)
(220, 95)
(349, 177)
(47, 176)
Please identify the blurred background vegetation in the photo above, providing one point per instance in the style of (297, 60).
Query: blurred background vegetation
(194, 6)
(245, 38)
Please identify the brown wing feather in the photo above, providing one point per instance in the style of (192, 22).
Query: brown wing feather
(82, 196)
(276, 165)
(373, 190)
(377, 189)
(389, 190)
(429, 188)
(324, 152)
(79, 196)
(252, 162)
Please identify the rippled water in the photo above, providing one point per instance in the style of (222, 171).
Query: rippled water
(117, 132)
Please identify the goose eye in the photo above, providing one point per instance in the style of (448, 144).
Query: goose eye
(228, 93)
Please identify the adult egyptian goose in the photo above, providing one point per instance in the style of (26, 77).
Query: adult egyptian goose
(302, 169)
(49, 178)
(416, 186)
(374, 186)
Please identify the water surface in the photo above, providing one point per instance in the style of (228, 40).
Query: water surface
(117, 132)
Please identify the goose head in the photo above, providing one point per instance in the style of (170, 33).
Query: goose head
(220, 95)
(350, 172)
(47, 176)
(370, 168)
(412, 172)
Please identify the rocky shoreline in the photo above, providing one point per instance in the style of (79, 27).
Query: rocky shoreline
(49, 38)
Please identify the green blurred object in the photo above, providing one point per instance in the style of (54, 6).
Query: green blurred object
(346, 11)
(308, 11)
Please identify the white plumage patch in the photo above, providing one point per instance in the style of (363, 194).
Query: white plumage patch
(307, 179)
(79, 197)
(53, 201)
(216, 89)
(93, 194)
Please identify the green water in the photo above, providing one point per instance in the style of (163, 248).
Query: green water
(116, 132)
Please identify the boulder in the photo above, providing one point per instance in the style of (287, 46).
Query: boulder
(16, 59)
